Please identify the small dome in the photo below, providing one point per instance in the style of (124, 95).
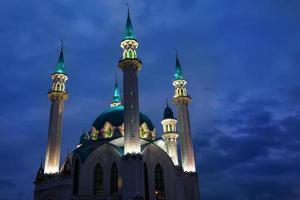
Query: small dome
(168, 113)
(115, 116)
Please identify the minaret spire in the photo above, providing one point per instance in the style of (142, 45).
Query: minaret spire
(60, 67)
(57, 96)
(170, 134)
(178, 71)
(129, 43)
(117, 100)
(128, 34)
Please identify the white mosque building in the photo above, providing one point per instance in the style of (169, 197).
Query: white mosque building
(122, 157)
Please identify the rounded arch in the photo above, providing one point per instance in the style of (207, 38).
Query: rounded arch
(105, 155)
(154, 155)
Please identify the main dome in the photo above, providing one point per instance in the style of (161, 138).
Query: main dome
(115, 116)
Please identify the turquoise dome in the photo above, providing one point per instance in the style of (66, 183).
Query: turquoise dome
(115, 116)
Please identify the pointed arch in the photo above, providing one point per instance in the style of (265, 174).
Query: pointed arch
(146, 182)
(114, 179)
(124, 53)
(76, 177)
(159, 183)
(57, 86)
(62, 87)
(129, 53)
(98, 179)
(144, 130)
(107, 130)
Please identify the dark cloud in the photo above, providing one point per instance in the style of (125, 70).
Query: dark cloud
(240, 60)
(259, 156)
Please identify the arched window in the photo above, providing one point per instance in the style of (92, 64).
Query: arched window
(98, 179)
(170, 128)
(114, 179)
(159, 183)
(57, 87)
(130, 53)
(62, 87)
(76, 178)
(146, 183)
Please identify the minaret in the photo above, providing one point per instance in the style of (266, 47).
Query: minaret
(182, 100)
(117, 100)
(170, 134)
(57, 96)
(130, 66)
(132, 161)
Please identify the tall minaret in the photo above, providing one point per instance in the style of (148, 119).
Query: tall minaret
(132, 160)
(170, 134)
(181, 100)
(57, 96)
(130, 66)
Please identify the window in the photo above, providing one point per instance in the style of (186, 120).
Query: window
(170, 128)
(108, 133)
(146, 183)
(62, 87)
(143, 133)
(114, 179)
(130, 53)
(98, 180)
(76, 178)
(57, 87)
(159, 183)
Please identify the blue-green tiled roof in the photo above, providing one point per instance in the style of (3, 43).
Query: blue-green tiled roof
(115, 116)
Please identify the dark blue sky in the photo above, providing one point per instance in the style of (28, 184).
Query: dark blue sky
(241, 59)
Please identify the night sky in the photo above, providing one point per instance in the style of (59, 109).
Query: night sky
(241, 59)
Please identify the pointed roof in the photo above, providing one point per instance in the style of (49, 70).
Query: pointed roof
(60, 67)
(178, 71)
(117, 100)
(168, 112)
(129, 34)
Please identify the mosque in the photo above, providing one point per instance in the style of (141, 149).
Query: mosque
(122, 157)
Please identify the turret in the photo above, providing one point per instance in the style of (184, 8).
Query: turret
(129, 44)
(57, 96)
(170, 134)
(181, 100)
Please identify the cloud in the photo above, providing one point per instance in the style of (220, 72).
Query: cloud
(258, 156)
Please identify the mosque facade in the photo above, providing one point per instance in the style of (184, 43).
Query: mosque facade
(122, 157)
